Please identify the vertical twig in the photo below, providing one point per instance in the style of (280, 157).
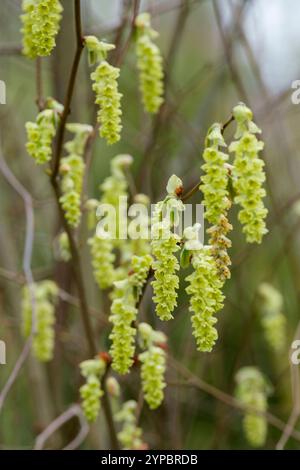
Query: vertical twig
(28, 246)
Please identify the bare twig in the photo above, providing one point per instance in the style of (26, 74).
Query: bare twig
(70, 90)
(28, 246)
(195, 381)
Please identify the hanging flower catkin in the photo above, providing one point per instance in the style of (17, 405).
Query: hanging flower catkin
(124, 312)
(216, 198)
(204, 288)
(153, 367)
(40, 134)
(130, 435)
(248, 175)
(91, 392)
(40, 20)
(102, 259)
(45, 296)
(72, 170)
(149, 62)
(252, 391)
(270, 303)
(164, 244)
(105, 85)
(104, 241)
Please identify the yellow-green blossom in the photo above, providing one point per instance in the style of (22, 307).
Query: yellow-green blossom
(130, 434)
(153, 367)
(124, 312)
(164, 244)
(149, 62)
(40, 20)
(72, 171)
(206, 297)
(45, 296)
(40, 133)
(248, 175)
(270, 303)
(105, 86)
(252, 391)
(91, 392)
(102, 259)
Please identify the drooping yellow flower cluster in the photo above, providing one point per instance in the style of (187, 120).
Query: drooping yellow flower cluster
(149, 62)
(216, 198)
(124, 313)
(64, 247)
(45, 296)
(40, 134)
(248, 175)
(252, 391)
(164, 244)
(102, 259)
(111, 224)
(204, 288)
(270, 303)
(91, 392)
(130, 435)
(40, 20)
(153, 367)
(105, 85)
(72, 170)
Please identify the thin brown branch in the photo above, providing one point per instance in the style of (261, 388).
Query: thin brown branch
(70, 90)
(195, 381)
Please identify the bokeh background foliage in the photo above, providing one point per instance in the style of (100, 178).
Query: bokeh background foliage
(215, 54)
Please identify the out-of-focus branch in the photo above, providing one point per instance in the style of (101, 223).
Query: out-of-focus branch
(27, 254)
(294, 416)
(74, 410)
(229, 400)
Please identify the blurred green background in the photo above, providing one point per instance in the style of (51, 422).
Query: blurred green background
(216, 53)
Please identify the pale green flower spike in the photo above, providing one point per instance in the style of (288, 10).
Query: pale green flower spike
(40, 20)
(216, 198)
(45, 296)
(149, 62)
(103, 243)
(64, 247)
(248, 175)
(153, 366)
(252, 391)
(105, 86)
(220, 243)
(91, 392)
(206, 297)
(124, 312)
(215, 180)
(40, 134)
(130, 435)
(270, 303)
(102, 259)
(164, 244)
(72, 170)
